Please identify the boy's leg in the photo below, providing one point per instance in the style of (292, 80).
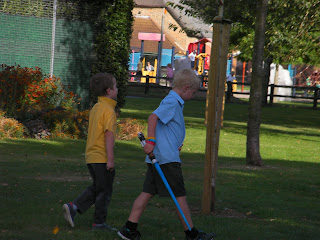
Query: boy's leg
(82, 203)
(139, 206)
(86, 199)
(104, 182)
(185, 209)
(99, 193)
(149, 190)
(129, 230)
(194, 234)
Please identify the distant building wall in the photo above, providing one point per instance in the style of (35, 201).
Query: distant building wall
(180, 38)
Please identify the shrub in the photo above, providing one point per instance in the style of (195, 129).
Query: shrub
(11, 128)
(61, 124)
(74, 124)
(13, 83)
(25, 90)
(128, 128)
(65, 130)
(82, 121)
(47, 94)
(38, 129)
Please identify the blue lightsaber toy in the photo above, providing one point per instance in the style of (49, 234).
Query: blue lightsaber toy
(157, 166)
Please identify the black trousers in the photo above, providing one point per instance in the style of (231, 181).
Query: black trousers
(99, 193)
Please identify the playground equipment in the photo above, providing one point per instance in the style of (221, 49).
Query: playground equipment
(150, 73)
(203, 52)
(199, 65)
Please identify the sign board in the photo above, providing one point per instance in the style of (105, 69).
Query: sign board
(151, 36)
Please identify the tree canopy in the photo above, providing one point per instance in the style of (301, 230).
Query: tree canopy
(292, 27)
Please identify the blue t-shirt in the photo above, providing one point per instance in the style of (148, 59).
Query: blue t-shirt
(170, 130)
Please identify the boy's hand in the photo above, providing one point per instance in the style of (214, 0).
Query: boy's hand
(148, 148)
(110, 165)
(180, 148)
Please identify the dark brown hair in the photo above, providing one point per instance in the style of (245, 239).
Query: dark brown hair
(100, 82)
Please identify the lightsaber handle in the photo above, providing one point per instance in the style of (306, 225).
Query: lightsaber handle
(143, 143)
(142, 139)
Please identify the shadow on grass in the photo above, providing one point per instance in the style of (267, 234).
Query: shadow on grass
(293, 117)
(290, 116)
(292, 131)
(59, 147)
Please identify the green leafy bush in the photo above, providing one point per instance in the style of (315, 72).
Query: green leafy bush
(113, 27)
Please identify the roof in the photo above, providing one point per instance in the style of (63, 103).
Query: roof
(150, 3)
(203, 41)
(180, 16)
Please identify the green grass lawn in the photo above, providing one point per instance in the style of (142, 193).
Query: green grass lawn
(278, 201)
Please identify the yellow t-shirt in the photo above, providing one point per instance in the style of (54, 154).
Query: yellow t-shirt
(102, 117)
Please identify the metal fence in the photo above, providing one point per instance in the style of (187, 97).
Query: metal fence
(55, 35)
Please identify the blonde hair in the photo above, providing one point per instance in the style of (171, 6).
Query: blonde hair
(185, 77)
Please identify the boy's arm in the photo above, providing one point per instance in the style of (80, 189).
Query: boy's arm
(152, 124)
(109, 141)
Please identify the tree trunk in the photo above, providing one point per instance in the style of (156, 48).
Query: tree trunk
(253, 156)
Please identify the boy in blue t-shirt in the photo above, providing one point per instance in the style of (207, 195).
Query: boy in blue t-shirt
(166, 133)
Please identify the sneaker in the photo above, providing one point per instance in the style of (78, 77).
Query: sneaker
(103, 226)
(69, 213)
(202, 236)
(126, 234)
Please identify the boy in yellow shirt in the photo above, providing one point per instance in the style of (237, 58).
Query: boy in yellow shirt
(99, 153)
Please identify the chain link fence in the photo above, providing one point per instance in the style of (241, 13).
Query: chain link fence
(55, 35)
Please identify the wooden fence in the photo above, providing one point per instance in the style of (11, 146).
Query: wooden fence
(315, 96)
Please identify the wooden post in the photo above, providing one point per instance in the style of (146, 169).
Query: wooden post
(146, 89)
(160, 48)
(243, 74)
(215, 92)
(271, 94)
(276, 82)
(315, 97)
(142, 48)
(229, 90)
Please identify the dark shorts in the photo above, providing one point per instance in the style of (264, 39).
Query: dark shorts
(153, 183)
